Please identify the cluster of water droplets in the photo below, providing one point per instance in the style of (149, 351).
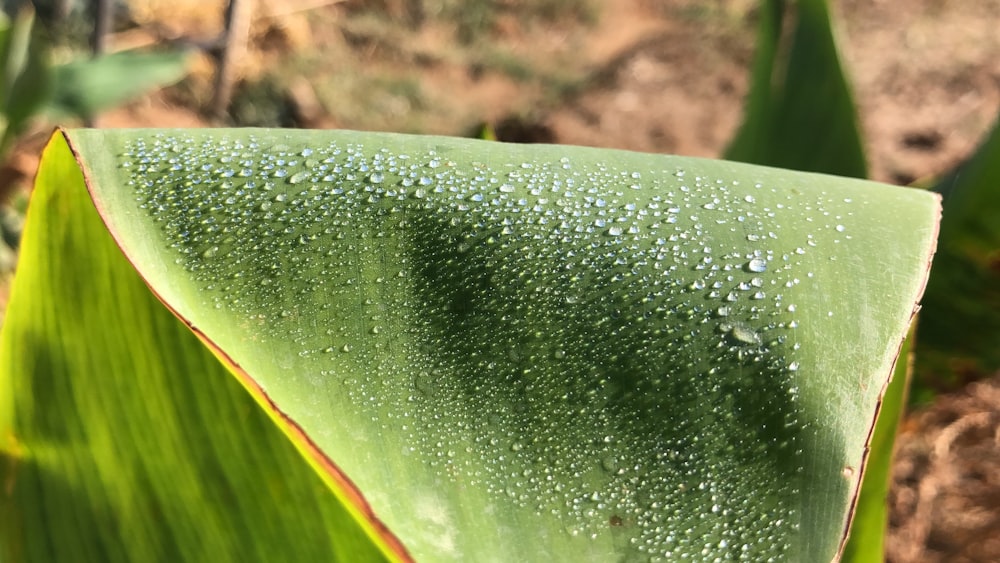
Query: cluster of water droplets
(548, 319)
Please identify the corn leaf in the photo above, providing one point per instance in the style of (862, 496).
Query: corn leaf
(961, 319)
(122, 437)
(86, 87)
(866, 541)
(487, 351)
(800, 111)
(25, 75)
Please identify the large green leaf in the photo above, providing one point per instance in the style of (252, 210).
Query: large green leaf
(960, 328)
(800, 111)
(530, 353)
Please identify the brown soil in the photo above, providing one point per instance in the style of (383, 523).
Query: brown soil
(661, 76)
(945, 496)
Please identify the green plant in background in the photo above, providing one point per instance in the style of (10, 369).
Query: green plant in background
(960, 324)
(31, 86)
(25, 79)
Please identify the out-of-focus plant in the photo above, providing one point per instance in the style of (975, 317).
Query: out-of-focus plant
(31, 85)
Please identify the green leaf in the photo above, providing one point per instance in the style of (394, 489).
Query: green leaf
(866, 542)
(800, 111)
(531, 352)
(121, 437)
(960, 322)
(85, 87)
(25, 74)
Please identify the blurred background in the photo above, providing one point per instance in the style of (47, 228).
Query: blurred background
(667, 76)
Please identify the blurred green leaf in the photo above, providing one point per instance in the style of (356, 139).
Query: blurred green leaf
(524, 352)
(800, 111)
(960, 321)
(85, 87)
(26, 75)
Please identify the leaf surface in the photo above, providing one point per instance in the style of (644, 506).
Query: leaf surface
(531, 353)
(121, 437)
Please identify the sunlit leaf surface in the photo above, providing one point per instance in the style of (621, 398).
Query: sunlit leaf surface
(536, 353)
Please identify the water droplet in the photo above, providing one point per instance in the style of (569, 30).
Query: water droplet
(610, 464)
(298, 177)
(744, 334)
(757, 265)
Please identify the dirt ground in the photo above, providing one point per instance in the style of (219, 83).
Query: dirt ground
(661, 76)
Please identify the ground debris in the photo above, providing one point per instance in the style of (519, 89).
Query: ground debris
(944, 503)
